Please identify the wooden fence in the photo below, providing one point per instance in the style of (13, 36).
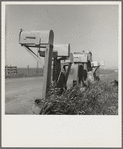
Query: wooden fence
(10, 70)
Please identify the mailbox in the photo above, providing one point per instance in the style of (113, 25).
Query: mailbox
(102, 63)
(68, 61)
(80, 57)
(59, 50)
(36, 38)
(62, 49)
(42, 53)
(94, 64)
(89, 55)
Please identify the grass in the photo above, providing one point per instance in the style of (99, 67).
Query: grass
(100, 98)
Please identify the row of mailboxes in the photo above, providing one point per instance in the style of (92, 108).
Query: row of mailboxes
(43, 38)
(44, 41)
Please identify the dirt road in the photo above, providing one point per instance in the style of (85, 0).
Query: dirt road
(20, 94)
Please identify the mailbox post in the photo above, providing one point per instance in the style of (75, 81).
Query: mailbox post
(96, 69)
(40, 39)
(60, 52)
(47, 71)
(81, 58)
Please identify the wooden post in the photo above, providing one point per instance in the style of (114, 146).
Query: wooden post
(47, 70)
(68, 71)
(37, 61)
(54, 68)
(27, 69)
(69, 66)
(75, 75)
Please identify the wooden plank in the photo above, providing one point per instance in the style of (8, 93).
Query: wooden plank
(69, 66)
(47, 71)
(75, 75)
(68, 71)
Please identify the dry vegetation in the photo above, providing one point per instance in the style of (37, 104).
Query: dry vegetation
(100, 98)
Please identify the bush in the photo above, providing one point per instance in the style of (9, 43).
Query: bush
(100, 98)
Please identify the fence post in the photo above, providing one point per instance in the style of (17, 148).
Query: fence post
(16, 70)
(27, 69)
(69, 66)
(6, 69)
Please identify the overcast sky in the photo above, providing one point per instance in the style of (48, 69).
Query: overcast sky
(85, 27)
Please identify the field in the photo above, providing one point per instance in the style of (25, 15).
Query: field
(25, 72)
(34, 72)
(20, 92)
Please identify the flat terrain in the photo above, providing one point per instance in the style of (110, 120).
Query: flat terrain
(20, 93)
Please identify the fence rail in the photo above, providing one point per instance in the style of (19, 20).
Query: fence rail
(9, 70)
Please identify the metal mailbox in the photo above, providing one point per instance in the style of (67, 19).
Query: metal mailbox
(80, 57)
(62, 49)
(36, 38)
(94, 64)
(89, 55)
(59, 50)
(102, 63)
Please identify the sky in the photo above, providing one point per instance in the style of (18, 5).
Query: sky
(85, 27)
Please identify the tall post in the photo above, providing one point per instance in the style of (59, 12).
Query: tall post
(56, 69)
(47, 70)
(68, 71)
(75, 75)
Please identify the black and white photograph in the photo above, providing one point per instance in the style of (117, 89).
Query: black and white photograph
(61, 63)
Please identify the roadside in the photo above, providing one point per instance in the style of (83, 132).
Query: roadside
(20, 93)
